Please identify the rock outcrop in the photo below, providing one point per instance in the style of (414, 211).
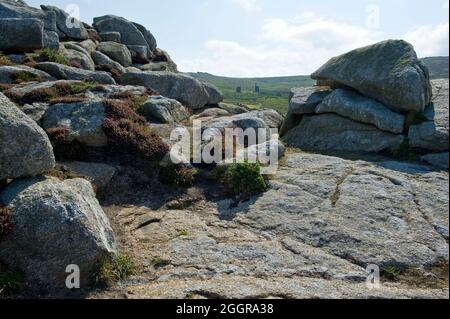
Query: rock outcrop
(65, 72)
(56, 224)
(389, 72)
(25, 149)
(21, 34)
(178, 86)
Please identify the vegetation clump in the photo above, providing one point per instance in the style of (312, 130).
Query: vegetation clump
(243, 180)
(63, 147)
(4, 61)
(116, 268)
(24, 76)
(51, 55)
(11, 282)
(177, 175)
(129, 133)
(5, 222)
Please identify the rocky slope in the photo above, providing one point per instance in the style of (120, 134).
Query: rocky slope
(86, 116)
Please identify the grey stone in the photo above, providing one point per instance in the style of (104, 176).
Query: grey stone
(84, 120)
(215, 96)
(70, 26)
(432, 134)
(302, 101)
(149, 38)
(8, 73)
(80, 56)
(439, 160)
(129, 33)
(56, 224)
(102, 59)
(51, 40)
(110, 36)
(329, 132)
(64, 72)
(233, 109)
(116, 51)
(178, 86)
(35, 111)
(138, 52)
(19, 9)
(98, 174)
(88, 45)
(389, 72)
(362, 109)
(164, 110)
(21, 35)
(25, 149)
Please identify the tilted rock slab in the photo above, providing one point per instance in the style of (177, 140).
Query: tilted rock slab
(8, 73)
(330, 132)
(178, 86)
(56, 224)
(389, 72)
(64, 72)
(25, 149)
(362, 109)
(164, 110)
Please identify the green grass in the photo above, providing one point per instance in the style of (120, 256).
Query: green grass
(116, 268)
(274, 92)
(51, 55)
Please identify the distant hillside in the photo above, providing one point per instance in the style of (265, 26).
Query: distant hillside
(438, 66)
(274, 91)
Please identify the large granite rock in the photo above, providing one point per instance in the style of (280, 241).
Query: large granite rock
(98, 174)
(64, 72)
(18, 73)
(129, 33)
(56, 224)
(178, 86)
(148, 36)
(116, 51)
(389, 72)
(19, 9)
(21, 35)
(362, 109)
(302, 101)
(75, 53)
(330, 132)
(25, 149)
(69, 26)
(102, 59)
(84, 120)
(164, 110)
(432, 133)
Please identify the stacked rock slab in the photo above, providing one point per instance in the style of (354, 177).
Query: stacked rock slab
(372, 91)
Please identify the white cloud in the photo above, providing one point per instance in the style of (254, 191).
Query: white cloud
(302, 45)
(430, 40)
(248, 5)
(282, 48)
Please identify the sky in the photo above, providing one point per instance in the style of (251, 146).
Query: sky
(257, 38)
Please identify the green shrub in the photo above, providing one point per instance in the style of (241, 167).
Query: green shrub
(11, 282)
(243, 180)
(5, 222)
(51, 55)
(24, 76)
(180, 176)
(116, 268)
(391, 273)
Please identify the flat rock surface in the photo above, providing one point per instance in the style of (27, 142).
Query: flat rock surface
(310, 236)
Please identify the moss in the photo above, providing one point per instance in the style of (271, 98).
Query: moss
(11, 282)
(243, 180)
(64, 88)
(24, 76)
(4, 61)
(115, 268)
(62, 173)
(67, 100)
(51, 55)
(179, 176)
(5, 222)
(183, 233)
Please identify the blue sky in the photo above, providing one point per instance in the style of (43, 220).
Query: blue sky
(274, 37)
